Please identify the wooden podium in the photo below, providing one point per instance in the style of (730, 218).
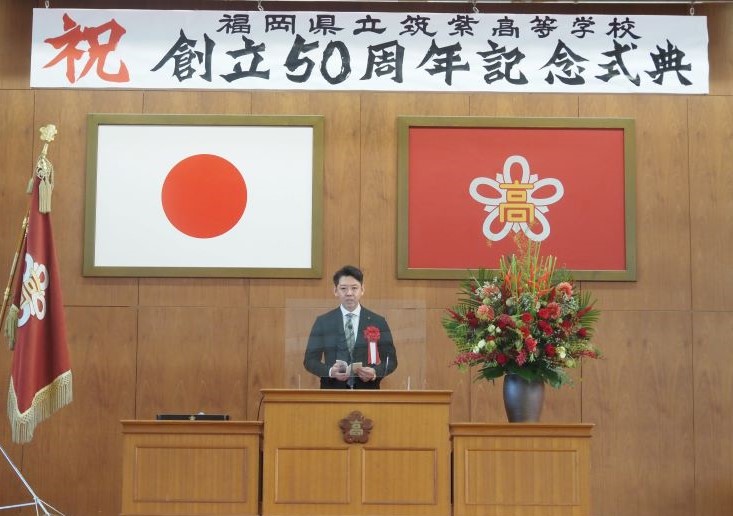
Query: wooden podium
(187, 468)
(521, 469)
(343, 452)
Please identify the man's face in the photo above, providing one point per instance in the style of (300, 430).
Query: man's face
(349, 292)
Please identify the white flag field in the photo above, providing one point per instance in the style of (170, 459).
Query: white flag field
(372, 51)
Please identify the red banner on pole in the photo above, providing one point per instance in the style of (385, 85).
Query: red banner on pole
(40, 381)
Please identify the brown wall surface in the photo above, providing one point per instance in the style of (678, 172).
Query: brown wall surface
(660, 399)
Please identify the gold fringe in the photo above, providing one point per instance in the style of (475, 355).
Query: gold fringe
(48, 400)
(11, 325)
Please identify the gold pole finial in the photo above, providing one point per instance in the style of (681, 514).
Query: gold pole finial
(44, 169)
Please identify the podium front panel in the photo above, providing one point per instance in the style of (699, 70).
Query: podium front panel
(402, 468)
(520, 469)
(182, 468)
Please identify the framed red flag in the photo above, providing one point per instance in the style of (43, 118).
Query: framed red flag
(204, 196)
(468, 185)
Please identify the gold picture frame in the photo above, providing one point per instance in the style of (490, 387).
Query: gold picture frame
(264, 219)
(444, 161)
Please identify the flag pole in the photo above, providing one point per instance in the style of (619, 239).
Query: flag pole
(44, 172)
(14, 266)
(37, 502)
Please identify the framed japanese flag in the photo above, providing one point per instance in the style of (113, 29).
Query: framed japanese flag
(468, 185)
(204, 195)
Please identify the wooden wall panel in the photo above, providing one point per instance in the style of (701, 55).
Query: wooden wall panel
(524, 105)
(74, 461)
(192, 359)
(711, 201)
(720, 48)
(15, 28)
(16, 148)
(640, 398)
(266, 357)
(662, 202)
(68, 110)
(439, 352)
(713, 386)
(198, 102)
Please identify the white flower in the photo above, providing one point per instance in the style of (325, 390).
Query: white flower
(561, 352)
(478, 347)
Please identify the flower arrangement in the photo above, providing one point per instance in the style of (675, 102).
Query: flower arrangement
(526, 318)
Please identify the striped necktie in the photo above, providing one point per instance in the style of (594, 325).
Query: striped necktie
(350, 336)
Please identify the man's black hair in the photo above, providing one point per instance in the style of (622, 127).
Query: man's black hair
(348, 270)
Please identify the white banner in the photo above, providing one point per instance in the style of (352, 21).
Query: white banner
(79, 48)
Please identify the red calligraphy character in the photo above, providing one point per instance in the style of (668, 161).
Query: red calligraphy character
(74, 35)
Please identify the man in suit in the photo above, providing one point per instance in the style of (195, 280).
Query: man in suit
(349, 336)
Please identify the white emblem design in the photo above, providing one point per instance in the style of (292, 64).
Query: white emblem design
(33, 301)
(518, 203)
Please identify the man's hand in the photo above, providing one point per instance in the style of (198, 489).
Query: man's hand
(366, 374)
(340, 370)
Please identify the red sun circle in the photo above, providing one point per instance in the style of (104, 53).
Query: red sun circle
(204, 196)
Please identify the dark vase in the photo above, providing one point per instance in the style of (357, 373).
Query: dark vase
(523, 399)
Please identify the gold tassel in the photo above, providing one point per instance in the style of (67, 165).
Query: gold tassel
(11, 325)
(45, 189)
(29, 188)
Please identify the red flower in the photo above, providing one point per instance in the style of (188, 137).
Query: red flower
(505, 321)
(471, 319)
(545, 327)
(554, 309)
(521, 357)
(526, 317)
(371, 334)
(467, 358)
(485, 312)
(584, 311)
(550, 350)
(530, 344)
(456, 316)
(544, 313)
(566, 288)
(489, 290)
(501, 358)
(589, 353)
(582, 333)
